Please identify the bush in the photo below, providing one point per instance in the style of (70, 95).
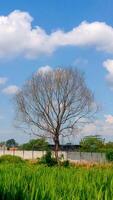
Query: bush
(65, 163)
(48, 159)
(109, 155)
(11, 159)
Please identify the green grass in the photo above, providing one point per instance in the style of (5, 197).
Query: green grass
(31, 182)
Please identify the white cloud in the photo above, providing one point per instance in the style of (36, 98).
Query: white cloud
(108, 64)
(19, 37)
(12, 89)
(89, 129)
(3, 80)
(44, 69)
(103, 127)
(109, 119)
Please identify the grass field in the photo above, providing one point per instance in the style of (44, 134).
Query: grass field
(31, 182)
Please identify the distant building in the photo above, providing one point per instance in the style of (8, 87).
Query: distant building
(66, 147)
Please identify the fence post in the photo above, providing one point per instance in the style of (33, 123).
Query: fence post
(4, 150)
(80, 155)
(13, 152)
(101, 157)
(23, 153)
(91, 157)
(32, 154)
(67, 155)
(104, 157)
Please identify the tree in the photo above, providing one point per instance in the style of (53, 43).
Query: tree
(53, 104)
(35, 144)
(109, 146)
(92, 143)
(11, 143)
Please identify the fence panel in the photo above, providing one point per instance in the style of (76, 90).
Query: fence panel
(71, 155)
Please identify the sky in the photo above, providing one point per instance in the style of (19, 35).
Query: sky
(39, 33)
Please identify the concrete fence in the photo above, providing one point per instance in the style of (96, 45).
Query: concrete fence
(86, 156)
(74, 156)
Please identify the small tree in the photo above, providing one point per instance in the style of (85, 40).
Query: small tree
(53, 104)
(35, 144)
(92, 143)
(11, 143)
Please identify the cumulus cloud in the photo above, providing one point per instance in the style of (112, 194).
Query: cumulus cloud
(44, 69)
(108, 65)
(19, 37)
(103, 127)
(12, 89)
(3, 80)
(109, 119)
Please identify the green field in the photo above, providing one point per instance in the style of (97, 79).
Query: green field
(31, 182)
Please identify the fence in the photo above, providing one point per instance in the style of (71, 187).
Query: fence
(75, 156)
(86, 156)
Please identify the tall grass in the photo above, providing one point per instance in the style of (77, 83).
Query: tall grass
(27, 182)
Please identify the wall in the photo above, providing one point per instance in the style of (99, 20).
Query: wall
(86, 156)
(78, 156)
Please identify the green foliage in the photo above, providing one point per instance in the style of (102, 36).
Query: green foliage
(109, 145)
(24, 182)
(48, 159)
(109, 155)
(65, 163)
(92, 143)
(35, 144)
(11, 143)
(11, 159)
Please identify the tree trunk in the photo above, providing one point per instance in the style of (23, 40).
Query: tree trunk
(56, 142)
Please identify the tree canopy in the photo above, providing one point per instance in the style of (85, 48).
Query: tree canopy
(11, 143)
(53, 104)
(35, 144)
(92, 143)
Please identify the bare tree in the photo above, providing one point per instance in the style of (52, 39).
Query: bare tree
(54, 103)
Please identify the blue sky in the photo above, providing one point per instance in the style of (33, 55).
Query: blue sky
(61, 33)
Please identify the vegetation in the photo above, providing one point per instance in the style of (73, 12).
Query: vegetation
(52, 104)
(11, 159)
(11, 143)
(35, 144)
(92, 143)
(48, 159)
(109, 155)
(32, 182)
(65, 163)
(109, 145)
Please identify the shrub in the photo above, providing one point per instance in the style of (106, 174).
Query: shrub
(109, 155)
(11, 159)
(61, 158)
(48, 159)
(65, 163)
